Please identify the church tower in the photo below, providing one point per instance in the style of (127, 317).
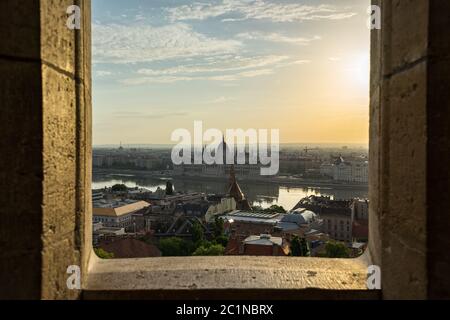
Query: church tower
(234, 191)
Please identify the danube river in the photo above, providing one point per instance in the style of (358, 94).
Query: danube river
(262, 194)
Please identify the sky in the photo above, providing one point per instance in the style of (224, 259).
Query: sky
(300, 66)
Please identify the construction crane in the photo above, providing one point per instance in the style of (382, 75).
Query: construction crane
(309, 149)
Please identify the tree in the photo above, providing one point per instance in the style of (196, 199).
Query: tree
(209, 250)
(334, 249)
(304, 247)
(296, 247)
(222, 240)
(197, 232)
(276, 208)
(119, 188)
(299, 247)
(271, 209)
(175, 247)
(103, 254)
(218, 227)
(169, 188)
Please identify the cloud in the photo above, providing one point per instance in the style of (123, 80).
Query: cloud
(114, 43)
(154, 80)
(173, 79)
(139, 17)
(145, 115)
(102, 73)
(237, 10)
(276, 37)
(241, 75)
(299, 62)
(225, 69)
(220, 100)
(219, 65)
(255, 73)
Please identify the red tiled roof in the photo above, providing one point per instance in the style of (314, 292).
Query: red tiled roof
(120, 211)
(130, 248)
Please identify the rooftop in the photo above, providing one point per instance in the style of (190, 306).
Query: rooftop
(130, 248)
(259, 215)
(299, 217)
(264, 240)
(117, 211)
(255, 217)
(110, 231)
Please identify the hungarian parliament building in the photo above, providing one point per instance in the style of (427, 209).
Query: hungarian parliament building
(220, 170)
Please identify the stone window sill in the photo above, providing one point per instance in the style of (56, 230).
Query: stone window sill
(229, 277)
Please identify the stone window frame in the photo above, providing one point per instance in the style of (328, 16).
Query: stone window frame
(206, 277)
(46, 114)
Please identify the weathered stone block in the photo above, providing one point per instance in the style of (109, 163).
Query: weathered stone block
(58, 42)
(57, 257)
(405, 33)
(60, 149)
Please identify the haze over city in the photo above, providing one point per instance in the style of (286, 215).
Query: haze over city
(298, 66)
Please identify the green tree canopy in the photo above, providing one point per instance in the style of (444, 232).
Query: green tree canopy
(119, 188)
(276, 208)
(169, 188)
(334, 249)
(299, 247)
(197, 232)
(273, 208)
(103, 254)
(304, 247)
(209, 250)
(175, 247)
(222, 240)
(218, 227)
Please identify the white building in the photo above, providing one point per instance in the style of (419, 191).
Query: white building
(225, 205)
(347, 171)
(118, 215)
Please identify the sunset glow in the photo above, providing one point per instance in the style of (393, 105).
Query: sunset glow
(298, 66)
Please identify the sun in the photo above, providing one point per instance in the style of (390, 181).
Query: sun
(359, 70)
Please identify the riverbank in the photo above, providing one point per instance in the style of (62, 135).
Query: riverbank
(290, 181)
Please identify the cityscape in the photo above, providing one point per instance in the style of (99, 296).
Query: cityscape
(240, 158)
(284, 67)
(143, 206)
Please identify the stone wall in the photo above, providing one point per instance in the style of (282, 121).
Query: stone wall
(45, 115)
(409, 148)
(45, 160)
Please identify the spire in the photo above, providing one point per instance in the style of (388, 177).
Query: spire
(232, 175)
(224, 149)
(234, 190)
